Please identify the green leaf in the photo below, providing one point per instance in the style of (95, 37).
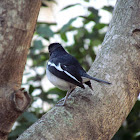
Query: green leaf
(19, 129)
(96, 42)
(30, 117)
(55, 91)
(108, 8)
(100, 26)
(93, 16)
(66, 26)
(69, 6)
(45, 31)
(93, 10)
(48, 23)
(31, 89)
(64, 37)
(38, 44)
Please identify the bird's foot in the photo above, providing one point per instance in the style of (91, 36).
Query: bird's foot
(60, 104)
(64, 99)
(61, 100)
(63, 104)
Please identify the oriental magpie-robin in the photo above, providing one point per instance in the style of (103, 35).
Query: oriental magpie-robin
(65, 72)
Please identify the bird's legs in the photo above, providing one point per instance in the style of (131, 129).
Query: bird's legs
(65, 98)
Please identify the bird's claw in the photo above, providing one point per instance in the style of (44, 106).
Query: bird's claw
(60, 104)
(60, 101)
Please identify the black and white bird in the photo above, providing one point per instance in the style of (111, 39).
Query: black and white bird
(65, 72)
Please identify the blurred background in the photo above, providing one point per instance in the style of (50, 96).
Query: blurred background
(80, 26)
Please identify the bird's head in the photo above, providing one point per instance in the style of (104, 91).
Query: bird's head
(55, 47)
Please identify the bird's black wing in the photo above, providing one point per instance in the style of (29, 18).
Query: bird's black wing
(65, 68)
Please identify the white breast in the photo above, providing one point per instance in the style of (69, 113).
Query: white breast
(60, 83)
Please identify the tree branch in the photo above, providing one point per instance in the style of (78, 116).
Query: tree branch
(98, 114)
(17, 23)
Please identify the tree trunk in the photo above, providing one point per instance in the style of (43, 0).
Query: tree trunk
(17, 23)
(98, 114)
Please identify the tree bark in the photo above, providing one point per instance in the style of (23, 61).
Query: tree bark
(17, 23)
(98, 114)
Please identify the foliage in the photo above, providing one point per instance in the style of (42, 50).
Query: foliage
(130, 130)
(85, 38)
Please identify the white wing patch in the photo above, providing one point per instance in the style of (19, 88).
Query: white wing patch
(58, 67)
(71, 76)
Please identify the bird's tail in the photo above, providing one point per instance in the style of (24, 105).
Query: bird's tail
(95, 79)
